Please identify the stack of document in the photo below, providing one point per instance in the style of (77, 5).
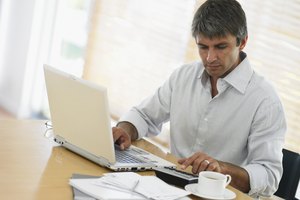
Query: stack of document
(128, 185)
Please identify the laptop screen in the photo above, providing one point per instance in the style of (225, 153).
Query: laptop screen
(79, 112)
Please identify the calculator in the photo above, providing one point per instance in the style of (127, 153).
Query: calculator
(175, 177)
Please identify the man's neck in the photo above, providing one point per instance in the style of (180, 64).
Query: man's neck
(214, 89)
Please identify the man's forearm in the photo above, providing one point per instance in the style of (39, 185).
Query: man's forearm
(129, 128)
(240, 177)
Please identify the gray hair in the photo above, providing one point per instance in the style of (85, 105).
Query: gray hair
(217, 18)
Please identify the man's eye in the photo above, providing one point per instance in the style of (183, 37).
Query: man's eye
(202, 47)
(221, 46)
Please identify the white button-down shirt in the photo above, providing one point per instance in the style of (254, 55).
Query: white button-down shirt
(243, 124)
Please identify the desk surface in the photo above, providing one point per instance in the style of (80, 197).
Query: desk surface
(32, 166)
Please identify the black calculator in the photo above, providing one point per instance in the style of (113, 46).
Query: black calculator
(175, 177)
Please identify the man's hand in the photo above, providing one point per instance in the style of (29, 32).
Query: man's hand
(202, 162)
(124, 133)
(121, 137)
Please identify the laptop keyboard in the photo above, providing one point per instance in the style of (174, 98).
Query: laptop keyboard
(124, 157)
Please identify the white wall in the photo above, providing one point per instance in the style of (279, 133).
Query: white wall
(16, 22)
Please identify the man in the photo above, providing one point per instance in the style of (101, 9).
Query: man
(223, 116)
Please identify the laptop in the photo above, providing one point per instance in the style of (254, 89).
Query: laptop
(81, 123)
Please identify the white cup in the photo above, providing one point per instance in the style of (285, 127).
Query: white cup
(212, 184)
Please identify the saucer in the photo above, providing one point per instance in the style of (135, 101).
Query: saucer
(228, 194)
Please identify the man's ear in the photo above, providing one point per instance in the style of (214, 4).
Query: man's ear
(243, 43)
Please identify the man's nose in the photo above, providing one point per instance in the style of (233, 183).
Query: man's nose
(211, 56)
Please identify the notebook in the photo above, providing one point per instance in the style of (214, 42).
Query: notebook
(81, 123)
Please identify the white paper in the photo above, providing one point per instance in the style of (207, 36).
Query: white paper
(87, 186)
(154, 188)
(128, 185)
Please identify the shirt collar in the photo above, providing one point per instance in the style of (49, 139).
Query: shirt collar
(203, 76)
(239, 78)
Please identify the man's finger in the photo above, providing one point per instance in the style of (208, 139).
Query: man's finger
(117, 133)
(188, 161)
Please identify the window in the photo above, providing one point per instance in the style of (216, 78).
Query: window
(69, 39)
(70, 35)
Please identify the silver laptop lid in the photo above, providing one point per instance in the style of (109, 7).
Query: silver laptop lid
(80, 113)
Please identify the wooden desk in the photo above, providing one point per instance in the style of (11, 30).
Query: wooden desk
(32, 166)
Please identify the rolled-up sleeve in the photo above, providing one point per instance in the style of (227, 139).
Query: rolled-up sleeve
(265, 145)
(140, 124)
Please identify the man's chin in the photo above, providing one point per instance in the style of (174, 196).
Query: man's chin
(214, 73)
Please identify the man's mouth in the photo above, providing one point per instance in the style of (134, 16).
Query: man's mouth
(213, 65)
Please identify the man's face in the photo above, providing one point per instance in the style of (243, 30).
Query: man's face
(219, 55)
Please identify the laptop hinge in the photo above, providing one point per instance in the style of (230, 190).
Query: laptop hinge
(97, 159)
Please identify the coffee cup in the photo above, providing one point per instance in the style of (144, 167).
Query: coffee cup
(212, 184)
